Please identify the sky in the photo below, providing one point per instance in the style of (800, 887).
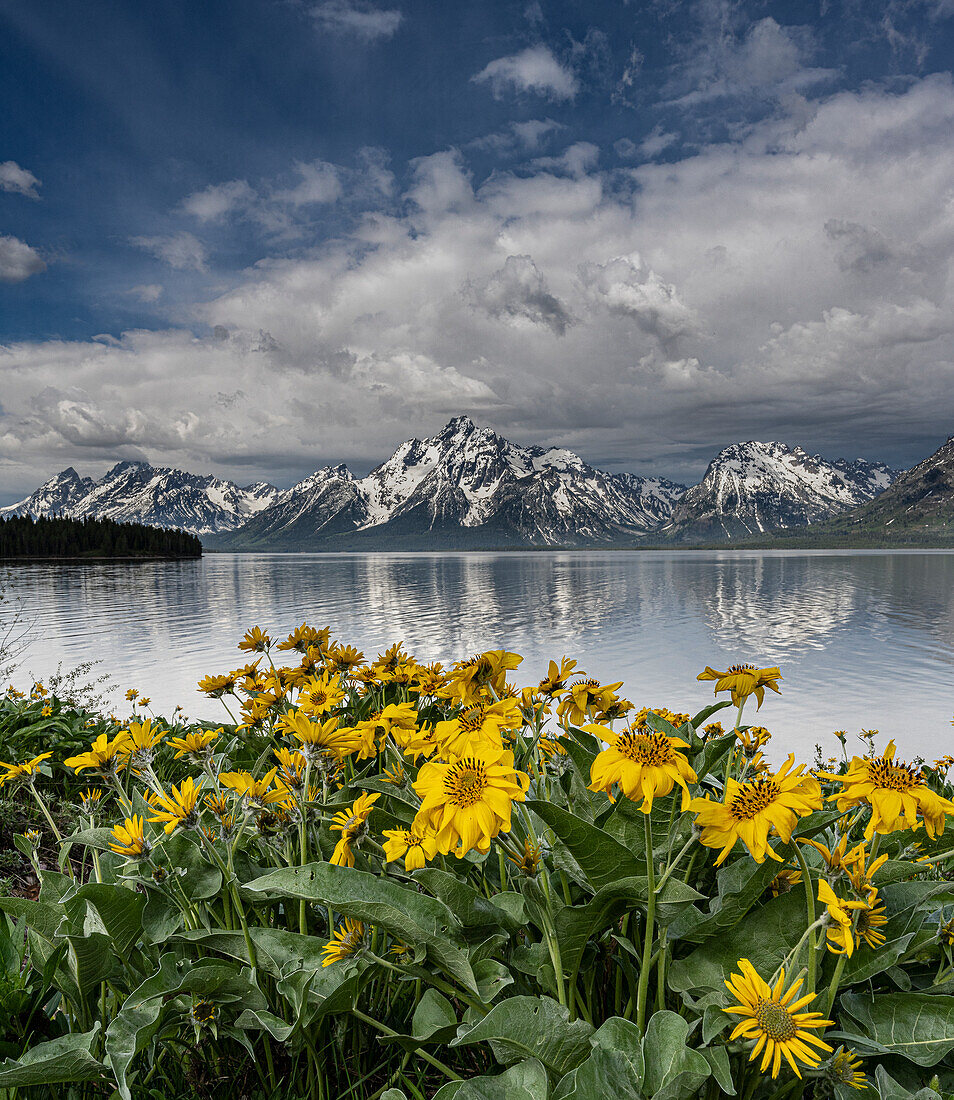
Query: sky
(256, 237)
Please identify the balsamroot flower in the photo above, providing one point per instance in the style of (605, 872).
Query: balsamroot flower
(646, 765)
(467, 803)
(772, 1018)
(840, 918)
(105, 755)
(345, 941)
(741, 681)
(129, 839)
(750, 811)
(26, 771)
(895, 792)
(352, 824)
(178, 807)
(195, 745)
(416, 847)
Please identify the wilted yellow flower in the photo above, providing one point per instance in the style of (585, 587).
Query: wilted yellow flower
(741, 681)
(772, 1018)
(14, 772)
(586, 698)
(841, 937)
(129, 839)
(345, 941)
(467, 803)
(645, 765)
(529, 861)
(750, 811)
(894, 791)
(557, 677)
(469, 680)
(90, 799)
(844, 1070)
(416, 847)
(217, 686)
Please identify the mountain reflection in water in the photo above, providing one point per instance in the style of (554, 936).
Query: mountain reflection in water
(863, 639)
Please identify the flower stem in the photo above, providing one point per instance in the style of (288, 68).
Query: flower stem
(650, 927)
(810, 907)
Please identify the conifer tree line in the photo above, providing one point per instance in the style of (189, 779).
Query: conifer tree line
(58, 537)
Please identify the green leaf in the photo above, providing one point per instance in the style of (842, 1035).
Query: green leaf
(740, 885)
(889, 1089)
(407, 914)
(719, 1067)
(531, 1027)
(602, 858)
(115, 910)
(673, 1070)
(57, 1062)
(576, 924)
(918, 1026)
(605, 1073)
(492, 976)
(201, 879)
(471, 908)
(434, 1018)
(764, 938)
(137, 1022)
(526, 1081)
(43, 918)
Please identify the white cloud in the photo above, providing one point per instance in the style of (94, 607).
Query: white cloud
(218, 200)
(18, 180)
(147, 292)
(354, 17)
(534, 70)
(319, 182)
(180, 250)
(609, 310)
(18, 261)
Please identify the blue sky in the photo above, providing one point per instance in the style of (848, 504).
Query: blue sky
(260, 236)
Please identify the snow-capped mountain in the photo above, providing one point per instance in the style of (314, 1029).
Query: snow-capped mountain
(136, 492)
(464, 487)
(753, 488)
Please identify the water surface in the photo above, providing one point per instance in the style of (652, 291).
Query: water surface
(864, 639)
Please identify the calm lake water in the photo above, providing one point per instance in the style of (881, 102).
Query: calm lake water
(863, 639)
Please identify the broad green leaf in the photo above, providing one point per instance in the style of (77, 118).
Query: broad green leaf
(918, 1026)
(57, 1062)
(602, 858)
(116, 911)
(531, 1027)
(889, 1089)
(137, 1022)
(42, 917)
(673, 1070)
(471, 908)
(720, 1068)
(492, 976)
(764, 938)
(91, 960)
(201, 879)
(434, 1018)
(576, 924)
(412, 917)
(739, 885)
(605, 1073)
(526, 1081)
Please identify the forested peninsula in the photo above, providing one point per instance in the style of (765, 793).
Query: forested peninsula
(56, 537)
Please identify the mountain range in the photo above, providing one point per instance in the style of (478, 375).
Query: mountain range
(469, 488)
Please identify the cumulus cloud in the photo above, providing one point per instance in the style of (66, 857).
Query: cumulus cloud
(606, 309)
(354, 17)
(18, 261)
(18, 180)
(180, 250)
(519, 293)
(319, 182)
(534, 70)
(219, 200)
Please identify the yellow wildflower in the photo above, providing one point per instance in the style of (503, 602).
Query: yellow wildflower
(344, 942)
(129, 839)
(645, 765)
(352, 824)
(416, 847)
(178, 807)
(26, 771)
(741, 681)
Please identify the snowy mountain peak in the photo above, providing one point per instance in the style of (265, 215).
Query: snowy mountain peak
(139, 493)
(754, 487)
(466, 486)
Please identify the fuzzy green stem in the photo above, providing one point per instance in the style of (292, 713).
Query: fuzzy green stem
(650, 927)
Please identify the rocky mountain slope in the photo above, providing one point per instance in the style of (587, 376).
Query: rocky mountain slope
(753, 488)
(140, 493)
(465, 487)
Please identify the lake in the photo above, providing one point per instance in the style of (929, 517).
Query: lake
(864, 639)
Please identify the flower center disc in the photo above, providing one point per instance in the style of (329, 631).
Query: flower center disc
(897, 777)
(645, 748)
(466, 783)
(775, 1021)
(753, 798)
